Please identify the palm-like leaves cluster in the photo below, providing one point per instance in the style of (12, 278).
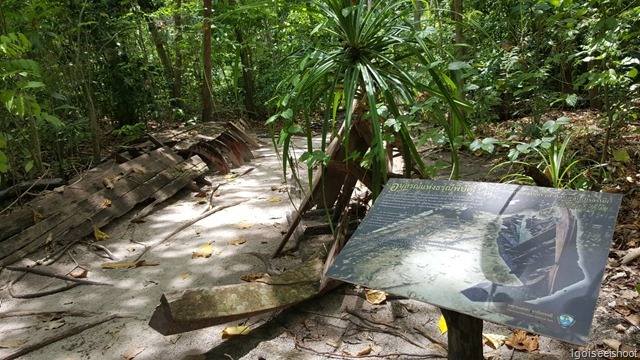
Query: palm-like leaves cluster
(376, 58)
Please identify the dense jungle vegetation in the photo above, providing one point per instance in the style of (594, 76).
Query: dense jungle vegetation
(78, 75)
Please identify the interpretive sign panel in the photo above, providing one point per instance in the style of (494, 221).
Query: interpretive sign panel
(523, 256)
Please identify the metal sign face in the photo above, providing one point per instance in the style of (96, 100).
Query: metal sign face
(526, 257)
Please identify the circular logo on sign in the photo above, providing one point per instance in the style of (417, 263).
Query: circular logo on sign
(566, 320)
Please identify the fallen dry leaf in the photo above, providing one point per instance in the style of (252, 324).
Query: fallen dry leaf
(622, 310)
(49, 243)
(310, 324)
(201, 194)
(633, 319)
(186, 275)
(216, 193)
(137, 170)
(522, 341)
(629, 294)
(492, 355)
(442, 325)
(237, 241)
(204, 251)
(618, 275)
(13, 343)
(494, 341)
(334, 343)
(99, 235)
(131, 353)
(107, 183)
(245, 224)
(231, 176)
(365, 351)
(126, 265)
(274, 199)
(231, 331)
(106, 203)
(36, 216)
(201, 202)
(375, 296)
(59, 189)
(79, 273)
(612, 343)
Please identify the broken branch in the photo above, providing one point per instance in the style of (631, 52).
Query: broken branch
(63, 335)
(632, 255)
(187, 224)
(300, 346)
(26, 191)
(59, 276)
(52, 313)
(107, 251)
(76, 282)
(41, 293)
(431, 338)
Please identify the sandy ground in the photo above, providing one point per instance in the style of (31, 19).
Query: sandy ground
(340, 324)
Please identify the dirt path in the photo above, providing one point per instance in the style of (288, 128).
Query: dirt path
(340, 324)
(253, 221)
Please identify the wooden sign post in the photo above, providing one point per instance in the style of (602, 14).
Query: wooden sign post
(464, 336)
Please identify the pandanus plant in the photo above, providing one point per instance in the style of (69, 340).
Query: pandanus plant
(377, 62)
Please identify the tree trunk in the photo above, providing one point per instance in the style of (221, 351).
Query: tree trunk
(247, 76)
(464, 334)
(207, 96)
(93, 122)
(158, 42)
(36, 149)
(161, 48)
(567, 78)
(417, 14)
(84, 83)
(595, 100)
(3, 22)
(177, 69)
(456, 16)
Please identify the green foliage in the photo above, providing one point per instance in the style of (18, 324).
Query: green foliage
(550, 152)
(511, 58)
(371, 65)
(486, 144)
(131, 132)
(530, 55)
(20, 86)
